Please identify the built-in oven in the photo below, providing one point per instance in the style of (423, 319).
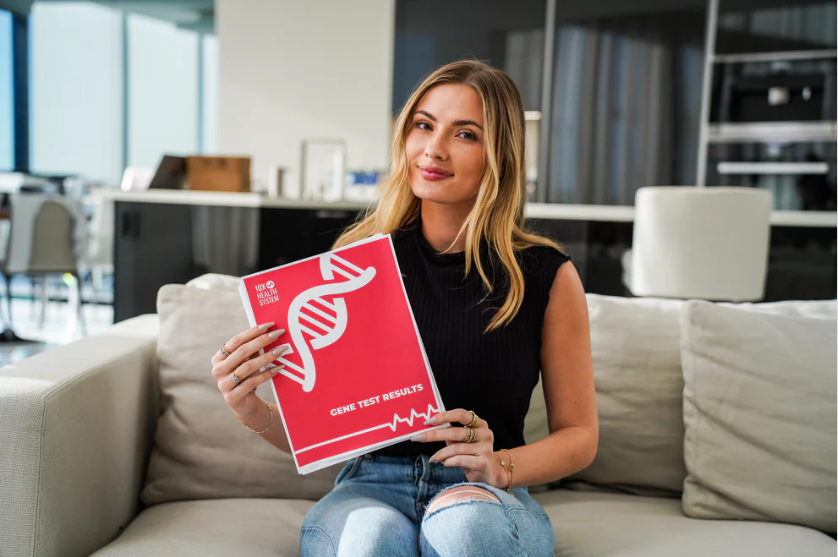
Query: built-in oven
(801, 175)
(772, 111)
(772, 126)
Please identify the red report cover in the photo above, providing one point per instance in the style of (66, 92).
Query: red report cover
(356, 377)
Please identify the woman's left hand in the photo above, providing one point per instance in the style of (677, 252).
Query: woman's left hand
(476, 459)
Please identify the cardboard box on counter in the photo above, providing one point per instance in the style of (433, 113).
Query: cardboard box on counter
(218, 173)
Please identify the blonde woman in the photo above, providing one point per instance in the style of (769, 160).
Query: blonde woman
(495, 305)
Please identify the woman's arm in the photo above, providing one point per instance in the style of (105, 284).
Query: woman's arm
(568, 380)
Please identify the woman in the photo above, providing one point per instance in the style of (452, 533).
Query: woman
(494, 306)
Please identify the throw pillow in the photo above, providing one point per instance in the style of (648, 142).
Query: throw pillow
(201, 450)
(637, 373)
(759, 414)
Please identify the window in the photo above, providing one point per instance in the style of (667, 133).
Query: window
(76, 90)
(7, 143)
(162, 92)
(110, 89)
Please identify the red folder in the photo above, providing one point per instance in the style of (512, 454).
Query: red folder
(356, 377)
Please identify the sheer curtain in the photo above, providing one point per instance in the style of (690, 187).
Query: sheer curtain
(625, 107)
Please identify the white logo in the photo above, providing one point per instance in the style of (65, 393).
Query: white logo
(266, 293)
(322, 314)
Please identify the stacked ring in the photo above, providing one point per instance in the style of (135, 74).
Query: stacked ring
(474, 419)
(469, 435)
(224, 351)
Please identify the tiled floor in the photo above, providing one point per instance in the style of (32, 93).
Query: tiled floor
(60, 324)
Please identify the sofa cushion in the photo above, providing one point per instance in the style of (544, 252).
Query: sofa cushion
(619, 525)
(637, 372)
(217, 528)
(635, 346)
(201, 450)
(760, 415)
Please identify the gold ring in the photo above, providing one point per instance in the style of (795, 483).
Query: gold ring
(224, 350)
(468, 434)
(235, 378)
(474, 419)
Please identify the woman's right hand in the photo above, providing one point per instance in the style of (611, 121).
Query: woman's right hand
(245, 361)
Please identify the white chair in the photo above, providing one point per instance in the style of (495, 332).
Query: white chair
(706, 243)
(48, 236)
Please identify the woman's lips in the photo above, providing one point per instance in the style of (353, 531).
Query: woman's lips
(433, 176)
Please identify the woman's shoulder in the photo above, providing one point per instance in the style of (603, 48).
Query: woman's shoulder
(542, 260)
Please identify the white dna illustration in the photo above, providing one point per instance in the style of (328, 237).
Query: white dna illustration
(330, 310)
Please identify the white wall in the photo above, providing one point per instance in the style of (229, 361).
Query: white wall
(292, 70)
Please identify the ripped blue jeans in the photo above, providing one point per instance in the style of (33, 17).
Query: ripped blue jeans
(378, 508)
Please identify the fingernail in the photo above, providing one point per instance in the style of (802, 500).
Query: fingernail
(432, 460)
(420, 437)
(280, 349)
(265, 326)
(430, 421)
(276, 369)
(273, 335)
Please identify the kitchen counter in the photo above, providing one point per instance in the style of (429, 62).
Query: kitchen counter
(559, 211)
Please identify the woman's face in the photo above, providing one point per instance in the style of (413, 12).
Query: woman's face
(444, 146)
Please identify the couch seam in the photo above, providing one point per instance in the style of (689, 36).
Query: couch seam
(693, 354)
(39, 485)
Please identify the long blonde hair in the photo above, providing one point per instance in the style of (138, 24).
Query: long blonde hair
(498, 212)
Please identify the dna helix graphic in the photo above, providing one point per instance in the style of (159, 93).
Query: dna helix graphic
(325, 311)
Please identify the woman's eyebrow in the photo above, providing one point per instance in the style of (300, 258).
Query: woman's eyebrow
(455, 122)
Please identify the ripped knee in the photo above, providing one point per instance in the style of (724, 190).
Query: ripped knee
(463, 493)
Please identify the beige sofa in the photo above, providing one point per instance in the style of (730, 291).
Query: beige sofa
(82, 434)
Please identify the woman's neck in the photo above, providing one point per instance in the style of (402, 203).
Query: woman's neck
(441, 224)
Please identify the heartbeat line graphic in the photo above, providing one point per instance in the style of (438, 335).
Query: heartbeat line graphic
(321, 313)
(392, 425)
(413, 414)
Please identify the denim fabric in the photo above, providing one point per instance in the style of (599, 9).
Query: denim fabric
(378, 504)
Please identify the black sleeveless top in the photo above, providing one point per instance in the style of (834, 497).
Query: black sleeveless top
(495, 373)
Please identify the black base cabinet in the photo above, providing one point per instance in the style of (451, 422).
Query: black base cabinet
(158, 243)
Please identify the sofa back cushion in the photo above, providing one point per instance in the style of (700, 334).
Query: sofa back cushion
(636, 351)
(637, 373)
(760, 412)
(201, 450)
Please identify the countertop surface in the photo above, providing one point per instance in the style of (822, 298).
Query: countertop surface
(558, 211)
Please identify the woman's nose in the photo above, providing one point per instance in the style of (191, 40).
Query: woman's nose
(436, 149)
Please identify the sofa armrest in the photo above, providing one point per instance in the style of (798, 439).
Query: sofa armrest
(77, 425)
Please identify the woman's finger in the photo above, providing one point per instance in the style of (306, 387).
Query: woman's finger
(453, 434)
(249, 385)
(248, 350)
(469, 462)
(256, 363)
(458, 415)
(233, 347)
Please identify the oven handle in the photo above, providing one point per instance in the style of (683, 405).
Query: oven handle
(772, 168)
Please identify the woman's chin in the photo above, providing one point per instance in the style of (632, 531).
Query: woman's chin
(434, 194)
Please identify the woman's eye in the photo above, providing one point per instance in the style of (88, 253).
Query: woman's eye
(420, 124)
(467, 135)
